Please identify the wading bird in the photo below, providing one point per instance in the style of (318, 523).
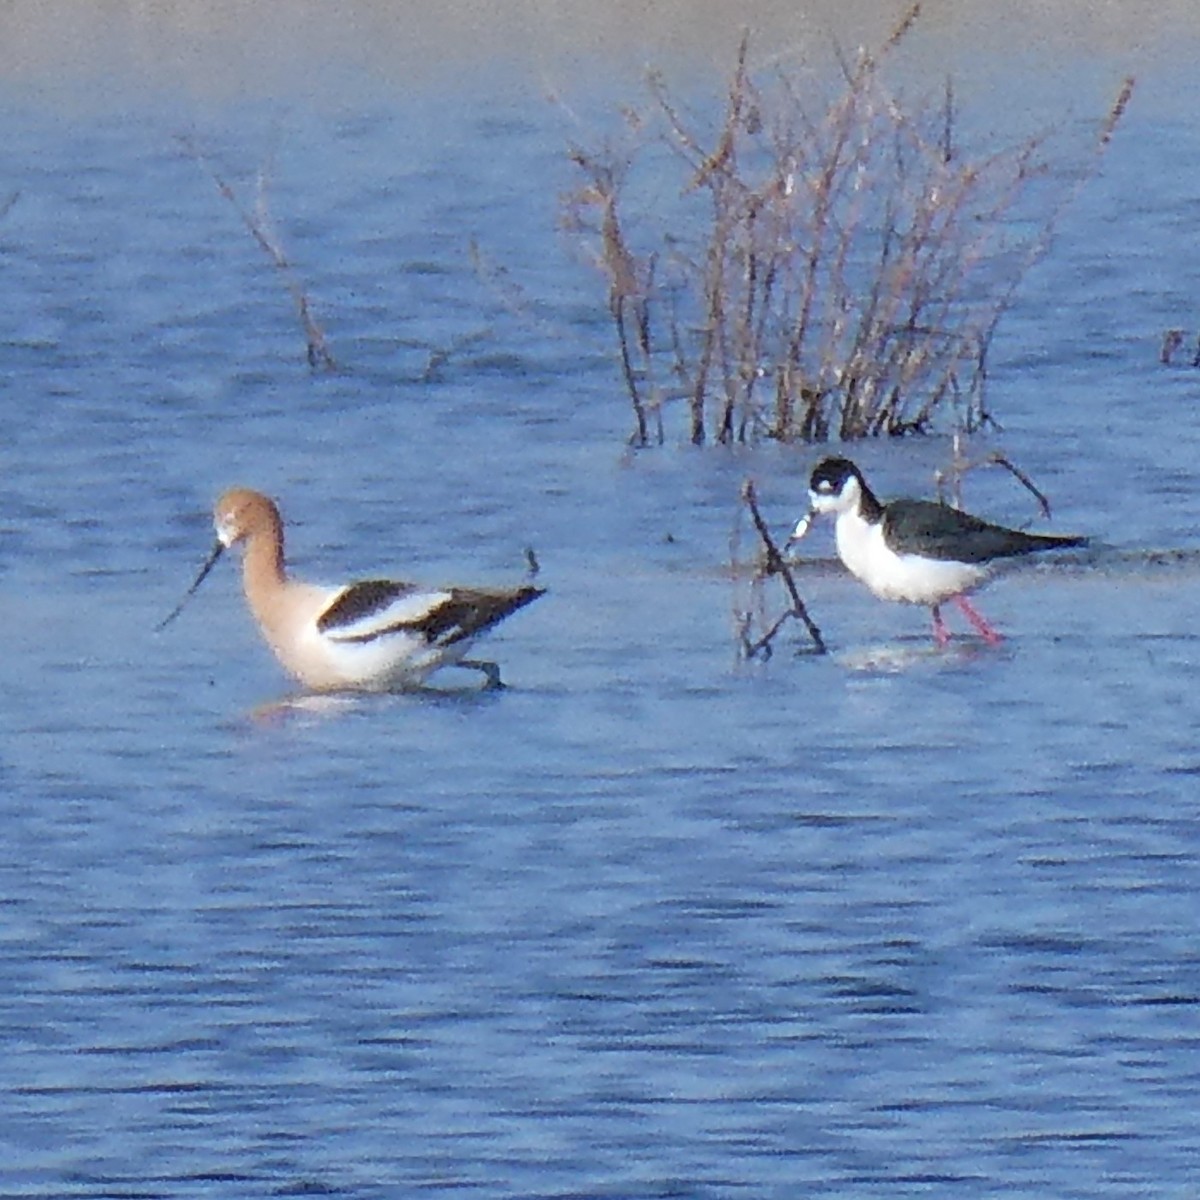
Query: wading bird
(915, 551)
(375, 635)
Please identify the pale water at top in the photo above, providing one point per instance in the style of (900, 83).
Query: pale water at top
(889, 922)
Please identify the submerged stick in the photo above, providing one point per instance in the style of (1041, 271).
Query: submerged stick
(776, 565)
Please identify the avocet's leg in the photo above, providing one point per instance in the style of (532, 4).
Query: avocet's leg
(941, 635)
(491, 671)
(988, 634)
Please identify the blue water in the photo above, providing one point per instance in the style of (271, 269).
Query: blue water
(650, 922)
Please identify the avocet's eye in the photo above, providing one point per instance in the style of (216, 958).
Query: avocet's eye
(226, 525)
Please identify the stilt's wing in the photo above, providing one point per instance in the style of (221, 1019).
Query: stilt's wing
(939, 531)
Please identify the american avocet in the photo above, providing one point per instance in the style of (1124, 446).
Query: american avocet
(376, 635)
(916, 551)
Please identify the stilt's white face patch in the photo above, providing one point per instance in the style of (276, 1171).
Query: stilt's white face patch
(845, 499)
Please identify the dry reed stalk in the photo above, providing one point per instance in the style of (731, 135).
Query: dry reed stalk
(262, 230)
(833, 271)
(628, 279)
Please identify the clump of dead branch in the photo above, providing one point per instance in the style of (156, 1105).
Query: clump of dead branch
(756, 627)
(260, 226)
(821, 268)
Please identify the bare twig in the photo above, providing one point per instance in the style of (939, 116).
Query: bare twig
(902, 29)
(961, 466)
(1040, 496)
(776, 564)
(259, 225)
(1108, 128)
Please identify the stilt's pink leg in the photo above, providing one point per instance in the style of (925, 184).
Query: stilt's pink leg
(941, 634)
(988, 634)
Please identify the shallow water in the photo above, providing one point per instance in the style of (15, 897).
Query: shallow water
(889, 922)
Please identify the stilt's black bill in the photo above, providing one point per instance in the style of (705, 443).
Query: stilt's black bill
(204, 570)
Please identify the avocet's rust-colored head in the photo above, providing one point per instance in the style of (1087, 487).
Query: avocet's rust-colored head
(242, 513)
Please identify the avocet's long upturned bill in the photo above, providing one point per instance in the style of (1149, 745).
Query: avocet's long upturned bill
(375, 635)
(915, 551)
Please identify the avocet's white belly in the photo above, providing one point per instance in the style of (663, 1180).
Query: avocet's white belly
(399, 659)
(319, 660)
(904, 577)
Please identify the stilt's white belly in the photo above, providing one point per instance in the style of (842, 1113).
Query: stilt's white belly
(904, 577)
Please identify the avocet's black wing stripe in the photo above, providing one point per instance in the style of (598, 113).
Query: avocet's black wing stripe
(378, 608)
(468, 612)
(365, 602)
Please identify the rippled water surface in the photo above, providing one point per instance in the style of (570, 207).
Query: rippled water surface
(891, 922)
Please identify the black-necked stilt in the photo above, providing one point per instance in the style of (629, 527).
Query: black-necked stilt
(375, 635)
(915, 551)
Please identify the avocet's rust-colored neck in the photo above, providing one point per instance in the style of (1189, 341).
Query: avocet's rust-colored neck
(264, 573)
(243, 515)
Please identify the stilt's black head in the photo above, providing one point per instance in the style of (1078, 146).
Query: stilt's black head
(830, 475)
(838, 486)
